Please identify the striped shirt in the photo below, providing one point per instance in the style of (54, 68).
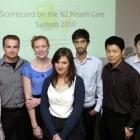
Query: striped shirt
(121, 88)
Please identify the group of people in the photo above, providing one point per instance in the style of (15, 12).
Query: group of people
(60, 98)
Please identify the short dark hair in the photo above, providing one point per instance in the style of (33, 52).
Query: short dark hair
(136, 39)
(81, 33)
(35, 38)
(13, 37)
(115, 40)
(72, 69)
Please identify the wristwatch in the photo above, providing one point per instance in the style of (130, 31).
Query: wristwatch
(130, 129)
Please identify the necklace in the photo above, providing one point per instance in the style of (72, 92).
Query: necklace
(61, 89)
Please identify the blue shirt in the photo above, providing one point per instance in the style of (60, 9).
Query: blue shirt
(36, 77)
(134, 62)
(90, 70)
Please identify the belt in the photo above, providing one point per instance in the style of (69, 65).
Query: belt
(5, 109)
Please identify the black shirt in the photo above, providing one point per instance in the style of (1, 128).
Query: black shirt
(13, 65)
(121, 90)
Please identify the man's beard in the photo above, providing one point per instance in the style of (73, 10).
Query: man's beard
(81, 50)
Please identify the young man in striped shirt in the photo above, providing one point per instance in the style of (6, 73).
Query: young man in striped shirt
(121, 94)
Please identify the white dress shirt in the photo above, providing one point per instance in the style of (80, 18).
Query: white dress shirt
(90, 70)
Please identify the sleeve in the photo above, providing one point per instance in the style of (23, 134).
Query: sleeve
(44, 107)
(25, 70)
(99, 89)
(134, 85)
(78, 104)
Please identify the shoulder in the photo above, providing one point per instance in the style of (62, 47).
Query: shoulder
(95, 60)
(26, 65)
(106, 66)
(131, 71)
(1, 61)
(79, 81)
(21, 62)
(46, 82)
(128, 66)
(25, 69)
(79, 87)
(130, 58)
(78, 78)
(20, 59)
(132, 74)
(25, 61)
(48, 79)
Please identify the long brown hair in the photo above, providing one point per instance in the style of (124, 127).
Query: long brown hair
(71, 70)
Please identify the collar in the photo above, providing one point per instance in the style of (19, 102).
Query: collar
(2, 60)
(136, 59)
(87, 57)
(120, 67)
(19, 62)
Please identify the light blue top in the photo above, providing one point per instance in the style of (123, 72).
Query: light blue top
(91, 70)
(134, 62)
(37, 78)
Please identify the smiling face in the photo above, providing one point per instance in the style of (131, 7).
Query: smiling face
(41, 48)
(62, 66)
(81, 45)
(11, 49)
(114, 55)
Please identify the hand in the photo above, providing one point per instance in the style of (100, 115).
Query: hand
(2, 137)
(128, 133)
(38, 132)
(93, 112)
(32, 103)
(56, 137)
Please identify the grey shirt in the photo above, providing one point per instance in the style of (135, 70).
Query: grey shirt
(11, 87)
